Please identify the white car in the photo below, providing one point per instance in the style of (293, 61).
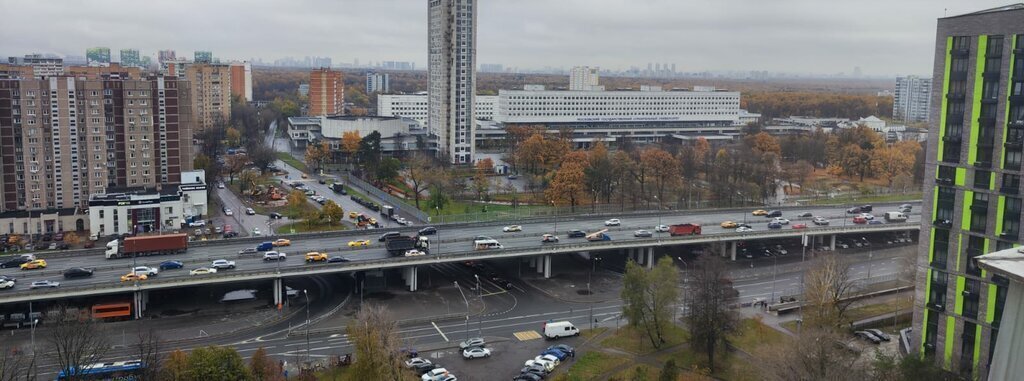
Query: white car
(274, 256)
(435, 375)
(197, 223)
(256, 232)
(402, 221)
(147, 271)
(249, 211)
(228, 212)
(476, 352)
(512, 228)
(44, 284)
(5, 284)
(744, 229)
(222, 264)
(549, 358)
(203, 271)
(613, 222)
(547, 365)
(417, 361)
(780, 220)
(414, 253)
(661, 228)
(820, 220)
(867, 216)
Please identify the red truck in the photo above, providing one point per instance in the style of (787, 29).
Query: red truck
(147, 245)
(684, 229)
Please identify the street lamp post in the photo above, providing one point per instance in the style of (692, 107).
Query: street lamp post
(555, 214)
(467, 307)
(775, 268)
(306, 294)
(479, 296)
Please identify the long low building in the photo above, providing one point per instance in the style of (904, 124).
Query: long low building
(397, 133)
(141, 210)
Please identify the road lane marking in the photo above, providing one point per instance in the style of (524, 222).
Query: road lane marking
(527, 335)
(443, 336)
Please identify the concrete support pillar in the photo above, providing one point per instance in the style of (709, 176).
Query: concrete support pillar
(540, 264)
(547, 266)
(732, 250)
(140, 298)
(533, 262)
(833, 244)
(411, 277)
(723, 249)
(650, 257)
(278, 292)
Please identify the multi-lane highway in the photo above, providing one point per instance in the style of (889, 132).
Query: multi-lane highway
(456, 239)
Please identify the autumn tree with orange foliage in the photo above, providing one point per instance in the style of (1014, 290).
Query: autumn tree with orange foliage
(568, 184)
(663, 168)
(350, 143)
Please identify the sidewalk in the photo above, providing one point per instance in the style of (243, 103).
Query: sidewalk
(425, 303)
(569, 279)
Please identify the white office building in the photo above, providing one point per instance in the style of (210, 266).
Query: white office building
(451, 47)
(912, 100)
(415, 106)
(584, 78)
(166, 208)
(706, 106)
(377, 83)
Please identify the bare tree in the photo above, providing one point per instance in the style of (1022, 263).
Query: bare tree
(148, 350)
(827, 287)
(710, 318)
(374, 334)
(15, 364)
(818, 354)
(74, 342)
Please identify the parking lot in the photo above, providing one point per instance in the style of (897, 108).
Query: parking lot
(506, 360)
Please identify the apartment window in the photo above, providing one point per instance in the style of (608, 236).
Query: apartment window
(937, 296)
(1011, 218)
(101, 216)
(971, 294)
(940, 248)
(979, 212)
(982, 179)
(967, 349)
(944, 206)
(975, 247)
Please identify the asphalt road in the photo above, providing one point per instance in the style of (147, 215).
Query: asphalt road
(453, 240)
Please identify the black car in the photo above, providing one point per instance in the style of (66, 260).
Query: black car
(276, 216)
(528, 376)
(865, 208)
(774, 213)
(77, 272)
(424, 368)
(322, 181)
(564, 348)
(855, 210)
(429, 230)
(337, 260)
(230, 234)
(502, 282)
(577, 234)
(385, 236)
(14, 262)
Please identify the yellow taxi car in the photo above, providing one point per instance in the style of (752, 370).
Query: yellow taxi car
(133, 277)
(729, 225)
(34, 264)
(315, 256)
(282, 242)
(359, 243)
(353, 215)
(760, 212)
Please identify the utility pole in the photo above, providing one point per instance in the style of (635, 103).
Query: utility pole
(467, 307)
(479, 318)
(306, 294)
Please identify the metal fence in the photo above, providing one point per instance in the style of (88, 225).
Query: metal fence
(400, 206)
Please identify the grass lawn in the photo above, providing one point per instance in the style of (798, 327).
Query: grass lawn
(871, 310)
(338, 374)
(292, 161)
(590, 366)
(789, 325)
(649, 372)
(302, 227)
(588, 334)
(752, 334)
(631, 340)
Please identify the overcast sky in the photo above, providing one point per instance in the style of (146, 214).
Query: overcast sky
(883, 37)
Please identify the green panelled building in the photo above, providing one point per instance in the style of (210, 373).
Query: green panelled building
(973, 200)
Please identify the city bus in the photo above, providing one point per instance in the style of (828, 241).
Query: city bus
(112, 311)
(130, 370)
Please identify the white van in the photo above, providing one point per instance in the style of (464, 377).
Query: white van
(895, 217)
(556, 329)
(486, 244)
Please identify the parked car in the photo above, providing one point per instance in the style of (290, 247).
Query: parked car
(613, 222)
(171, 265)
(436, 374)
(564, 348)
(558, 354)
(476, 352)
(250, 212)
(77, 272)
(868, 336)
(415, 361)
(473, 342)
(879, 334)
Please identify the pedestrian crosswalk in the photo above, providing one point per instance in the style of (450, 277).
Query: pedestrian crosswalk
(527, 335)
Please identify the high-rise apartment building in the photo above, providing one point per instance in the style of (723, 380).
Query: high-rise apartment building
(63, 138)
(582, 78)
(377, 83)
(326, 92)
(166, 56)
(973, 203)
(203, 56)
(98, 56)
(42, 67)
(913, 99)
(241, 80)
(211, 93)
(451, 70)
(130, 57)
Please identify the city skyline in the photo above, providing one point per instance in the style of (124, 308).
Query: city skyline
(709, 36)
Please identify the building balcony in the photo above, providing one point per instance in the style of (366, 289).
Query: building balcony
(952, 138)
(1010, 235)
(955, 96)
(987, 121)
(958, 76)
(937, 306)
(990, 75)
(1014, 144)
(1016, 99)
(1016, 123)
(983, 164)
(955, 52)
(1019, 50)
(986, 143)
(1010, 189)
(979, 207)
(943, 223)
(941, 265)
(944, 181)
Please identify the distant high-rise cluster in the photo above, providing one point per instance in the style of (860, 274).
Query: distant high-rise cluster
(913, 99)
(97, 56)
(584, 78)
(326, 92)
(130, 57)
(451, 48)
(203, 56)
(377, 82)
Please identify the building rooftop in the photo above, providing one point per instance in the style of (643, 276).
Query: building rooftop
(1008, 263)
(1011, 7)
